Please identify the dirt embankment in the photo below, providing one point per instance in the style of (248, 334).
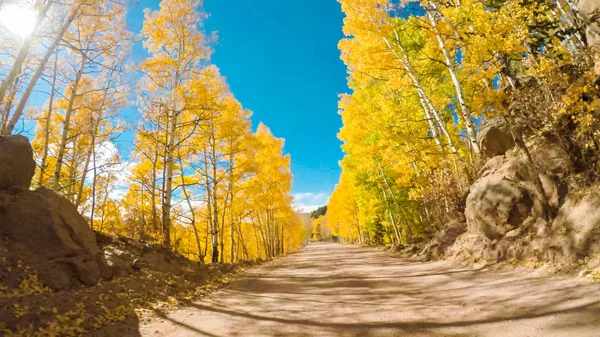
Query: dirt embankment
(59, 278)
(159, 282)
(504, 219)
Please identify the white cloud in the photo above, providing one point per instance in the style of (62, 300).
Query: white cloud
(105, 155)
(308, 202)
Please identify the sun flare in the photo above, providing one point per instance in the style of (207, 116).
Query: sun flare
(19, 20)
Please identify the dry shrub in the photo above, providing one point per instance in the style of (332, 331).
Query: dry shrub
(564, 106)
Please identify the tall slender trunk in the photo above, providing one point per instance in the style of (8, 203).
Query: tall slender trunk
(166, 210)
(358, 229)
(8, 101)
(23, 53)
(269, 223)
(143, 221)
(164, 173)
(391, 214)
(95, 127)
(232, 245)
(208, 203)
(215, 223)
(393, 197)
(264, 239)
(206, 238)
(466, 114)
(72, 173)
(79, 196)
(282, 242)
(433, 127)
(192, 214)
(237, 250)
(222, 237)
(38, 73)
(231, 237)
(104, 203)
(230, 192)
(231, 241)
(428, 107)
(153, 191)
(241, 239)
(94, 182)
(257, 240)
(360, 239)
(48, 121)
(394, 224)
(66, 124)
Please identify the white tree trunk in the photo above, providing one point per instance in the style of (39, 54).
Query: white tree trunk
(466, 114)
(38, 73)
(23, 53)
(66, 125)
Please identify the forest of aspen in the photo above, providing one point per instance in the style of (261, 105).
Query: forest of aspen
(199, 183)
(198, 180)
(423, 77)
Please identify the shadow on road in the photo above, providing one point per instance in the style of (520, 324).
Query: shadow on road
(335, 290)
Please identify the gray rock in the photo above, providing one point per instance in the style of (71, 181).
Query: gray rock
(589, 11)
(579, 219)
(16, 162)
(494, 137)
(50, 227)
(505, 197)
(551, 158)
(497, 205)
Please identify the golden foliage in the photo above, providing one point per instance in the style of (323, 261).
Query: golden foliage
(422, 76)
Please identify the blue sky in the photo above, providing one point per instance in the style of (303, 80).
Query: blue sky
(281, 61)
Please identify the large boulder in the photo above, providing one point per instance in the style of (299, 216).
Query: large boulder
(444, 238)
(551, 159)
(126, 256)
(589, 11)
(579, 220)
(505, 197)
(504, 211)
(16, 162)
(497, 205)
(494, 137)
(50, 227)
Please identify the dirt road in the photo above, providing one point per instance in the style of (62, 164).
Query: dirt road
(335, 290)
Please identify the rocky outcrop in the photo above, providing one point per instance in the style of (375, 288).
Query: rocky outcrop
(504, 218)
(444, 239)
(16, 163)
(505, 198)
(589, 11)
(126, 256)
(494, 137)
(44, 223)
(497, 205)
(579, 220)
(504, 214)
